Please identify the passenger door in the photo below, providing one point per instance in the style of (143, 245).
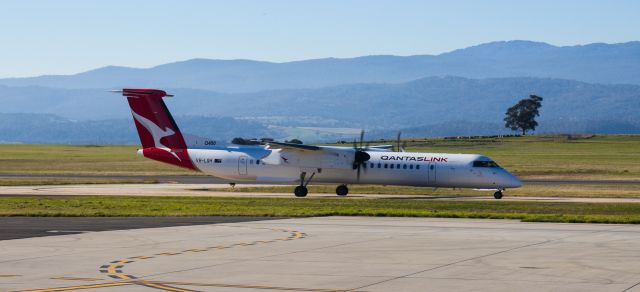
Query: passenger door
(242, 165)
(431, 173)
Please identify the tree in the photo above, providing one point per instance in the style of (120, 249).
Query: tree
(294, 141)
(522, 116)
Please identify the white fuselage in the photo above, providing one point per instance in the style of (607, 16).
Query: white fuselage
(385, 168)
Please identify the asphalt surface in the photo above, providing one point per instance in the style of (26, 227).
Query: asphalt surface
(331, 254)
(25, 227)
(222, 190)
(190, 179)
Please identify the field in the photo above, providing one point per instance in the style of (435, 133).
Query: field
(532, 157)
(80, 160)
(207, 206)
(69, 181)
(552, 157)
(536, 157)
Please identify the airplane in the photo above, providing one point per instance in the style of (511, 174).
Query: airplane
(301, 164)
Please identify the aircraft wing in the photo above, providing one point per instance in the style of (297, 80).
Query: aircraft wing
(380, 148)
(310, 156)
(294, 146)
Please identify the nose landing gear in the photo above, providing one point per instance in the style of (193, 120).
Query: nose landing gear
(498, 194)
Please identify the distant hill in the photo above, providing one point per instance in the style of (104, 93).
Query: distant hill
(433, 106)
(594, 63)
(53, 129)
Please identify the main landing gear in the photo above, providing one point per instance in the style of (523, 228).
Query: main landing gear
(342, 190)
(301, 190)
(498, 194)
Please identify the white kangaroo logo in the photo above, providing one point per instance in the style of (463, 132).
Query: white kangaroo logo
(156, 132)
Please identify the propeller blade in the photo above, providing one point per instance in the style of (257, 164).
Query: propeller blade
(360, 156)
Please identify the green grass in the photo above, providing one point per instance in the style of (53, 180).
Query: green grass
(69, 181)
(531, 190)
(531, 157)
(294, 207)
(552, 157)
(80, 159)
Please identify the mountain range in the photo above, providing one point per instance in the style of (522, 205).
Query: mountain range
(593, 63)
(591, 88)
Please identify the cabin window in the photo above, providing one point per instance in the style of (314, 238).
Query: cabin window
(364, 165)
(398, 166)
(431, 167)
(258, 161)
(411, 166)
(379, 165)
(217, 160)
(418, 166)
(372, 165)
(391, 166)
(386, 165)
(404, 166)
(480, 163)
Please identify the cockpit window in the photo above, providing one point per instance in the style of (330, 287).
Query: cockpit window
(480, 163)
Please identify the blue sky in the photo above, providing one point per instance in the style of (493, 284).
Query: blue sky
(65, 37)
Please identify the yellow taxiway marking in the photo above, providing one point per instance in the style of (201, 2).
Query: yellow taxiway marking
(194, 250)
(141, 257)
(163, 287)
(168, 253)
(114, 270)
(111, 269)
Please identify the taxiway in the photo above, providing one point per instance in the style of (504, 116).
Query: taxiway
(221, 190)
(331, 254)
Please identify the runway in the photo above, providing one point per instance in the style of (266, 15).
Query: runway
(331, 254)
(210, 190)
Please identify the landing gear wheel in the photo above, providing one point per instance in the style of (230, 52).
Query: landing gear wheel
(342, 190)
(497, 195)
(300, 191)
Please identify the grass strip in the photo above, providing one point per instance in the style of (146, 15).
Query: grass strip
(295, 207)
(69, 181)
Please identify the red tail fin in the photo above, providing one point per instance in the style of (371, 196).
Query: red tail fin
(159, 134)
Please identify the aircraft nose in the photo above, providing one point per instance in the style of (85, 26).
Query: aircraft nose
(512, 181)
(507, 180)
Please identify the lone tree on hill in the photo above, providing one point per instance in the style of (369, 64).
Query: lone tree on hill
(522, 116)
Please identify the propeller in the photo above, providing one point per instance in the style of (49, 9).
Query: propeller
(360, 156)
(399, 148)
